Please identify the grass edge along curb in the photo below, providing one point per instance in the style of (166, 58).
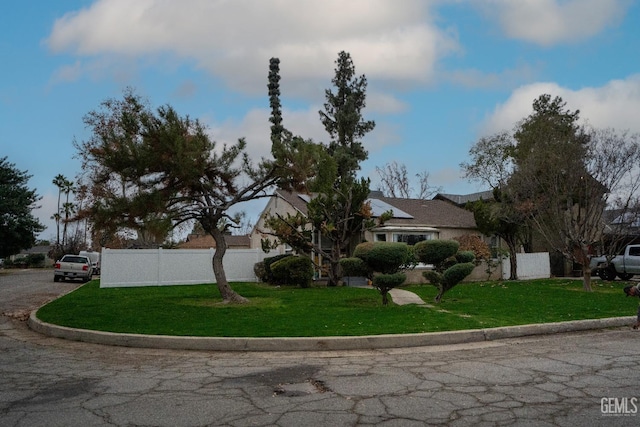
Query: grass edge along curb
(276, 344)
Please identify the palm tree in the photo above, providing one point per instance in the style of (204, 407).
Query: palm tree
(68, 208)
(59, 182)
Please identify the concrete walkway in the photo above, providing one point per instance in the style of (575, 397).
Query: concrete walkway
(402, 297)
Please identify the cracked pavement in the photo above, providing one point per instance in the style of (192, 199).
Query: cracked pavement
(553, 380)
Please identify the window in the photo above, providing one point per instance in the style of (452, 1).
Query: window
(634, 251)
(381, 237)
(411, 239)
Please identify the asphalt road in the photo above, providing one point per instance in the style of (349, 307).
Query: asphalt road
(572, 379)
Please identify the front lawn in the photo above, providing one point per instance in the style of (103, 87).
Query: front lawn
(293, 312)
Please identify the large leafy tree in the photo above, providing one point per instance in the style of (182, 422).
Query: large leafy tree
(492, 165)
(560, 177)
(338, 211)
(153, 170)
(18, 226)
(566, 176)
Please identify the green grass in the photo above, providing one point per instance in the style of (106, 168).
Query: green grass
(293, 312)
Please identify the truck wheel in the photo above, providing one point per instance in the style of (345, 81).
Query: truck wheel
(608, 274)
(625, 276)
(56, 278)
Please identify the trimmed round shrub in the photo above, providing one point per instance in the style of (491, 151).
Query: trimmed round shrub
(383, 257)
(293, 271)
(465, 256)
(268, 261)
(435, 251)
(456, 274)
(354, 267)
(389, 281)
(362, 250)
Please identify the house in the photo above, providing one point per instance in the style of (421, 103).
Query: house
(205, 241)
(413, 219)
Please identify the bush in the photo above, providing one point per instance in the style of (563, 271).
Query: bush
(260, 271)
(435, 251)
(465, 257)
(267, 262)
(389, 281)
(450, 266)
(456, 274)
(385, 282)
(474, 243)
(354, 267)
(293, 271)
(35, 260)
(387, 257)
(362, 250)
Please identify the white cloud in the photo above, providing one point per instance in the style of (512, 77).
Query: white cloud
(388, 40)
(613, 105)
(548, 22)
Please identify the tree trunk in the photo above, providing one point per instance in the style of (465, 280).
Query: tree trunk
(586, 278)
(581, 254)
(334, 265)
(228, 294)
(385, 296)
(513, 259)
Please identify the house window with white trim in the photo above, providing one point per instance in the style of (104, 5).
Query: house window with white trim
(380, 237)
(412, 238)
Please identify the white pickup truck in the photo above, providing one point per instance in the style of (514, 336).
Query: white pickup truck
(73, 267)
(624, 266)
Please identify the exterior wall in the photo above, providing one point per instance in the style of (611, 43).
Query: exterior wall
(157, 267)
(478, 274)
(274, 205)
(530, 266)
(450, 233)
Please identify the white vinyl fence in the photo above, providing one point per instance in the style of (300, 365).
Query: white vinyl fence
(156, 267)
(530, 266)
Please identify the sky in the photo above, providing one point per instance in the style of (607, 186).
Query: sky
(441, 73)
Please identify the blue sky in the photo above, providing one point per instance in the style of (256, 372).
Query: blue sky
(441, 73)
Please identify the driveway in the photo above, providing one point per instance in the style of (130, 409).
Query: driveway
(571, 379)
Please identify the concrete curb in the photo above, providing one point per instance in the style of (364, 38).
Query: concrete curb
(318, 343)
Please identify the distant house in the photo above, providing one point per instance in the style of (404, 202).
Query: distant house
(205, 241)
(462, 199)
(35, 250)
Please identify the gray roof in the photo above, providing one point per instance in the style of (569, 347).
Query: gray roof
(425, 213)
(462, 199)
